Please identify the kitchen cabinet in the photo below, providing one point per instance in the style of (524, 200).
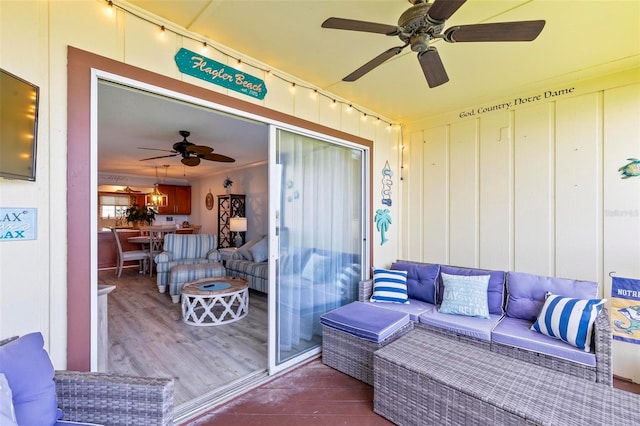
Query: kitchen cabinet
(229, 206)
(178, 199)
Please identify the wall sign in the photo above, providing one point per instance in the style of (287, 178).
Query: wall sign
(18, 224)
(207, 69)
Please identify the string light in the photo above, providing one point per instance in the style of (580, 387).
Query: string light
(267, 72)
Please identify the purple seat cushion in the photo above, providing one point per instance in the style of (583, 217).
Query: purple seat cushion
(29, 372)
(526, 292)
(415, 308)
(495, 290)
(516, 332)
(480, 328)
(421, 279)
(365, 320)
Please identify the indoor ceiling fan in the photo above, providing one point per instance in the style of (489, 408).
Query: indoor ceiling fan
(424, 22)
(190, 152)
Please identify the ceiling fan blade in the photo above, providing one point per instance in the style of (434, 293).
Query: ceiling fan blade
(499, 31)
(162, 156)
(191, 161)
(432, 67)
(442, 10)
(157, 149)
(199, 149)
(354, 25)
(217, 157)
(374, 63)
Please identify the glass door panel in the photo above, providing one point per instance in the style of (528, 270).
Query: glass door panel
(320, 244)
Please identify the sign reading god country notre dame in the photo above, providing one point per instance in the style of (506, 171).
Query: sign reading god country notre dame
(207, 69)
(17, 224)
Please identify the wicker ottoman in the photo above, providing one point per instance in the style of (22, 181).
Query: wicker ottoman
(423, 378)
(182, 274)
(351, 333)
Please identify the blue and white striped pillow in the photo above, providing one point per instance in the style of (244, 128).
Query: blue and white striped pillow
(567, 319)
(389, 286)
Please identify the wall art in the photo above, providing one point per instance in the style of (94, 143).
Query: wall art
(387, 174)
(383, 221)
(630, 170)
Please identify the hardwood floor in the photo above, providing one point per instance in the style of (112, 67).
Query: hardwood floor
(147, 337)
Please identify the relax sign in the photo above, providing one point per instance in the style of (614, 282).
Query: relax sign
(214, 72)
(17, 224)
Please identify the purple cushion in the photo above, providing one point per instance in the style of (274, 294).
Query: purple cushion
(365, 320)
(526, 292)
(421, 279)
(480, 328)
(29, 372)
(415, 308)
(495, 290)
(516, 332)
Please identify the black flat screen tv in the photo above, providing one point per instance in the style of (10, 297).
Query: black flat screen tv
(18, 127)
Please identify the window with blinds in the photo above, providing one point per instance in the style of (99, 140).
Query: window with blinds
(111, 206)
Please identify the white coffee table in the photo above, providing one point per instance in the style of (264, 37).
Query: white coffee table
(215, 301)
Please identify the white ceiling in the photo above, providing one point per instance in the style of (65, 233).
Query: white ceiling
(581, 38)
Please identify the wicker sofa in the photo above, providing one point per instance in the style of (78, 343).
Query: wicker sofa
(29, 396)
(506, 330)
(514, 299)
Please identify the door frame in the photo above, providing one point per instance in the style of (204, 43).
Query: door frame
(82, 176)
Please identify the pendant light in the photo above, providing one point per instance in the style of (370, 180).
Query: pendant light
(157, 198)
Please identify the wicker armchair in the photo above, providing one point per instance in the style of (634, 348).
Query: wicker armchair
(112, 399)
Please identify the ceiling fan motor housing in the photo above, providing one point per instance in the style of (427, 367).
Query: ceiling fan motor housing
(417, 27)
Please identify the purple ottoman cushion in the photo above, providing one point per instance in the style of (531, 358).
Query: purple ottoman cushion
(526, 292)
(414, 308)
(421, 279)
(495, 290)
(365, 320)
(516, 332)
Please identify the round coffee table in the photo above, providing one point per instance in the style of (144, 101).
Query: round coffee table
(215, 301)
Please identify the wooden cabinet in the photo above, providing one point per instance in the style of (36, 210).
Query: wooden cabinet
(229, 205)
(178, 199)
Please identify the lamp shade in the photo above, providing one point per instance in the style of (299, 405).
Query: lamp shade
(238, 224)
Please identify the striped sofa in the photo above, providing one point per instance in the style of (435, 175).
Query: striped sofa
(257, 273)
(184, 249)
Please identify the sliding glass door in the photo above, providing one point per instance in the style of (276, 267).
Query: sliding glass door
(318, 246)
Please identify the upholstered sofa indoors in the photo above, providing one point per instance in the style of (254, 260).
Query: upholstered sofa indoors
(33, 394)
(250, 262)
(184, 249)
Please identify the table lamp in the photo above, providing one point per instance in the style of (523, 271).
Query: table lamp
(238, 225)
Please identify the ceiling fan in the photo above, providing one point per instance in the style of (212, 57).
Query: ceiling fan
(424, 22)
(128, 190)
(190, 152)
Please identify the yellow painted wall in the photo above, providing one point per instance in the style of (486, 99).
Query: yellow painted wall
(34, 36)
(532, 187)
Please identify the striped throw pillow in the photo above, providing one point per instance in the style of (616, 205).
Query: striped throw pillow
(389, 286)
(569, 320)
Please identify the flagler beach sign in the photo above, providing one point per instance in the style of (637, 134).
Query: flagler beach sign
(207, 69)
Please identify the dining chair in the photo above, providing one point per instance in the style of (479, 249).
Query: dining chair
(142, 256)
(156, 242)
